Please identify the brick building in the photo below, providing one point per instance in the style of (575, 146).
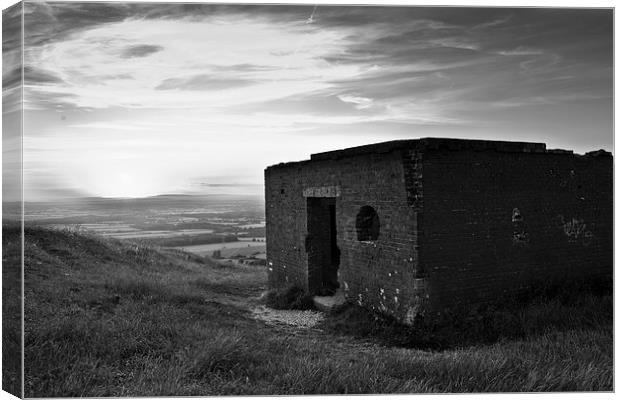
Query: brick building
(413, 225)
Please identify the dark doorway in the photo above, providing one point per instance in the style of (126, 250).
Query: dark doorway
(322, 246)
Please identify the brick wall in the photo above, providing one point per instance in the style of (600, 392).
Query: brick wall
(495, 222)
(378, 274)
(461, 222)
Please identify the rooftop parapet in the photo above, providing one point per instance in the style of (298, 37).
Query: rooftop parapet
(434, 144)
(426, 144)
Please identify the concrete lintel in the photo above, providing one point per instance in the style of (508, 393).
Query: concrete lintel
(322, 191)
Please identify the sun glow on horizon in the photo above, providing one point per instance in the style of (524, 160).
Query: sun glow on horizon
(150, 100)
(124, 185)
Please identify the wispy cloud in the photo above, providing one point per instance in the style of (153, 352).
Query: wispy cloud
(360, 102)
(242, 60)
(520, 51)
(266, 61)
(40, 76)
(180, 90)
(539, 64)
(203, 82)
(140, 50)
(493, 23)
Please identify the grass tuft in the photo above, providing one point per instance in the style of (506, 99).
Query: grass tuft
(290, 298)
(533, 312)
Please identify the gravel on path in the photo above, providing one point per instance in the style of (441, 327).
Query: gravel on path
(298, 318)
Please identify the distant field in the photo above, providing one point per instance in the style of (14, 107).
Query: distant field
(253, 239)
(156, 234)
(102, 228)
(199, 223)
(126, 231)
(252, 251)
(207, 249)
(261, 225)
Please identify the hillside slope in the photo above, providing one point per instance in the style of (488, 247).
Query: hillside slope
(100, 313)
(111, 318)
(11, 309)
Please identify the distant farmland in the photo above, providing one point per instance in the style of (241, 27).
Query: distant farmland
(199, 224)
(207, 249)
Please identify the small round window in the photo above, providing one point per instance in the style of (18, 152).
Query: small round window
(367, 224)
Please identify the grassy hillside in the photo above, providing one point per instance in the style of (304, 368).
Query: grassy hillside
(11, 309)
(108, 318)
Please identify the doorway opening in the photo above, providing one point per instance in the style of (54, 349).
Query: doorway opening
(322, 246)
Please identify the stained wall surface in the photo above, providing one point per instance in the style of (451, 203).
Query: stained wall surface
(496, 222)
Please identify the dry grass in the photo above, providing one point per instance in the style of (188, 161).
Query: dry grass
(11, 309)
(290, 298)
(105, 318)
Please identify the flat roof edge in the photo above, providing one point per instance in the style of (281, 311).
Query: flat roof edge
(434, 144)
(425, 144)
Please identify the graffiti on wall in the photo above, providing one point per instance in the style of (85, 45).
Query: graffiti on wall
(519, 234)
(575, 230)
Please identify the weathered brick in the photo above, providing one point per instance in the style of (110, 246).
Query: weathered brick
(460, 221)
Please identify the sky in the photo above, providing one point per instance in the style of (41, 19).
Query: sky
(139, 99)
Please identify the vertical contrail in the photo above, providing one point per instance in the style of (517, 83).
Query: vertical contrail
(308, 21)
(311, 19)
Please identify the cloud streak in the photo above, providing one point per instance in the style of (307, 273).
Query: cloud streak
(203, 82)
(192, 84)
(140, 50)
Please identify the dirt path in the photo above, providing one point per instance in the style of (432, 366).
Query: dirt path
(292, 318)
(243, 287)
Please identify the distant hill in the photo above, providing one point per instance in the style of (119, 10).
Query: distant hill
(169, 200)
(89, 209)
